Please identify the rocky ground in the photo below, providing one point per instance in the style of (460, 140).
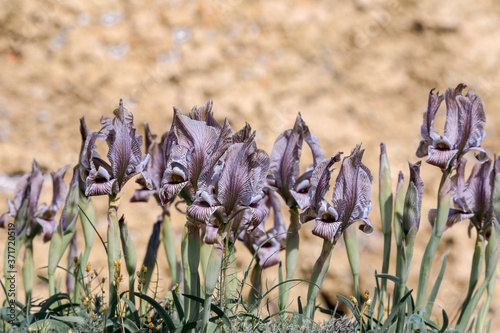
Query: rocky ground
(358, 71)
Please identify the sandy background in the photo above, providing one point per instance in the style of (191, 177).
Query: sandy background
(358, 71)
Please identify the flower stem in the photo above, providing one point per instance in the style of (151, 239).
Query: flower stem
(386, 207)
(87, 218)
(437, 231)
(292, 254)
(190, 246)
(351, 245)
(492, 254)
(477, 267)
(114, 243)
(406, 251)
(483, 311)
(256, 288)
(213, 270)
(28, 270)
(317, 277)
(169, 246)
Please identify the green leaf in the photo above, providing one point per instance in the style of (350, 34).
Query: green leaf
(161, 311)
(45, 305)
(351, 306)
(435, 290)
(187, 327)
(178, 306)
(49, 325)
(445, 322)
(70, 319)
(395, 311)
(220, 314)
(122, 322)
(300, 305)
(133, 310)
(393, 278)
(419, 322)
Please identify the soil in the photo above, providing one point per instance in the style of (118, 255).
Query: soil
(358, 71)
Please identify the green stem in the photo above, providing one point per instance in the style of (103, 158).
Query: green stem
(113, 236)
(185, 268)
(169, 246)
(256, 289)
(292, 254)
(28, 270)
(492, 253)
(190, 248)
(87, 218)
(317, 277)
(477, 267)
(351, 245)
(404, 269)
(231, 278)
(437, 231)
(483, 312)
(213, 270)
(386, 211)
(385, 270)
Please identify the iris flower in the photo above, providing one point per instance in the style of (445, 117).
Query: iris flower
(30, 217)
(471, 198)
(351, 197)
(124, 155)
(238, 185)
(285, 158)
(155, 167)
(195, 146)
(464, 128)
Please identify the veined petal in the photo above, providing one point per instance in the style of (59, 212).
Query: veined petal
(35, 187)
(203, 112)
(22, 190)
(48, 228)
(243, 175)
(258, 215)
(70, 211)
(284, 160)
(452, 129)
(224, 141)
(366, 226)
(210, 236)
(85, 133)
(268, 253)
(471, 120)
(5, 216)
(174, 180)
(58, 188)
(326, 230)
(454, 216)
(427, 130)
(243, 134)
(440, 156)
(197, 140)
(142, 195)
(279, 226)
(99, 182)
(320, 180)
(124, 144)
(201, 211)
(313, 143)
(351, 195)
